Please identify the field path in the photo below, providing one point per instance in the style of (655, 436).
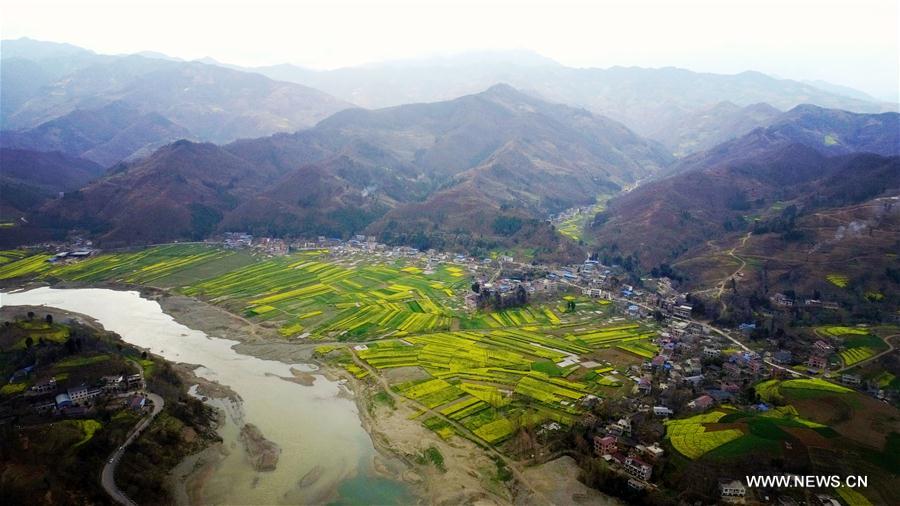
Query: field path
(886, 339)
(721, 286)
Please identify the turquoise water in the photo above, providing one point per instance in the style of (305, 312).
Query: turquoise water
(369, 490)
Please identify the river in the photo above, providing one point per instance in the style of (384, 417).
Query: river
(317, 427)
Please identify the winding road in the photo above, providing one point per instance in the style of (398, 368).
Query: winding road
(887, 341)
(107, 477)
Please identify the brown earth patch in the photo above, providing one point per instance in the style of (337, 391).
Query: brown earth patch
(854, 416)
(808, 437)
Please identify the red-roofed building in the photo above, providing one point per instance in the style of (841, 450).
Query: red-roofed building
(605, 445)
(817, 362)
(701, 403)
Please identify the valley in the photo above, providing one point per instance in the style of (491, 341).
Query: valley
(485, 277)
(410, 337)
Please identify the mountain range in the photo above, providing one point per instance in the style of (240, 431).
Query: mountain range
(45, 81)
(767, 193)
(715, 176)
(657, 103)
(478, 171)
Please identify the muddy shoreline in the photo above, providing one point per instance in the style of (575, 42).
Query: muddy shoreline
(392, 461)
(397, 436)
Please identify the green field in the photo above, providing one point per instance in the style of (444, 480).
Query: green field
(838, 280)
(492, 372)
(692, 438)
(493, 381)
(728, 434)
(573, 226)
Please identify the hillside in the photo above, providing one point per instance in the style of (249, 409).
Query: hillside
(776, 196)
(827, 131)
(502, 149)
(707, 128)
(29, 178)
(213, 103)
(105, 135)
(180, 192)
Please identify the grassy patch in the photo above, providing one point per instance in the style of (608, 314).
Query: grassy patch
(433, 456)
(838, 280)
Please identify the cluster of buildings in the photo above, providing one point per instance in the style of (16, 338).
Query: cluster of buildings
(616, 446)
(783, 301)
(72, 401)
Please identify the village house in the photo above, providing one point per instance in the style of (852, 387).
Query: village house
(136, 403)
(817, 362)
(780, 299)
(638, 468)
(44, 387)
(732, 369)
(607, 445)
(683, 311)
(662, 411)
(732, 490)
(645, 386)
(114, 383)
(592, 292)
(782, 357)
(620, 428)
(83, 393)
(654, 451)
(701, 403)
(822, 347)
(135, 381)
(63, 400)
(693, 367)
(851, 380)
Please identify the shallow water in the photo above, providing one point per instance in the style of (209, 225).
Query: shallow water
(318, 430)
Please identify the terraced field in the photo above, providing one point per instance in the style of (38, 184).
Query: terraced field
(496, 380)
(857, 343)
(147, 266)
(491, 372)
(306, 294)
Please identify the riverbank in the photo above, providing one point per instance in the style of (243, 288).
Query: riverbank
(327, 455)
(468, 475)
(76, 444)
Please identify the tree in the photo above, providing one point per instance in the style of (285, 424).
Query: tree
(49, 319)
(144, 355)
(521, 295)
(476, 287)
(30, 315)
(29, 342)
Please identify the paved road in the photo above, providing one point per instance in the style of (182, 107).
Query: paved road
(109, 470)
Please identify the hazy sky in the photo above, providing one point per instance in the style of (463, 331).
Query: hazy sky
(850, 42)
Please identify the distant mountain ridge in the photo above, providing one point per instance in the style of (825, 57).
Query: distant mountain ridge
(656, 103)
(30, 178)
(503, 155)
(45, 81)
(105, 135)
